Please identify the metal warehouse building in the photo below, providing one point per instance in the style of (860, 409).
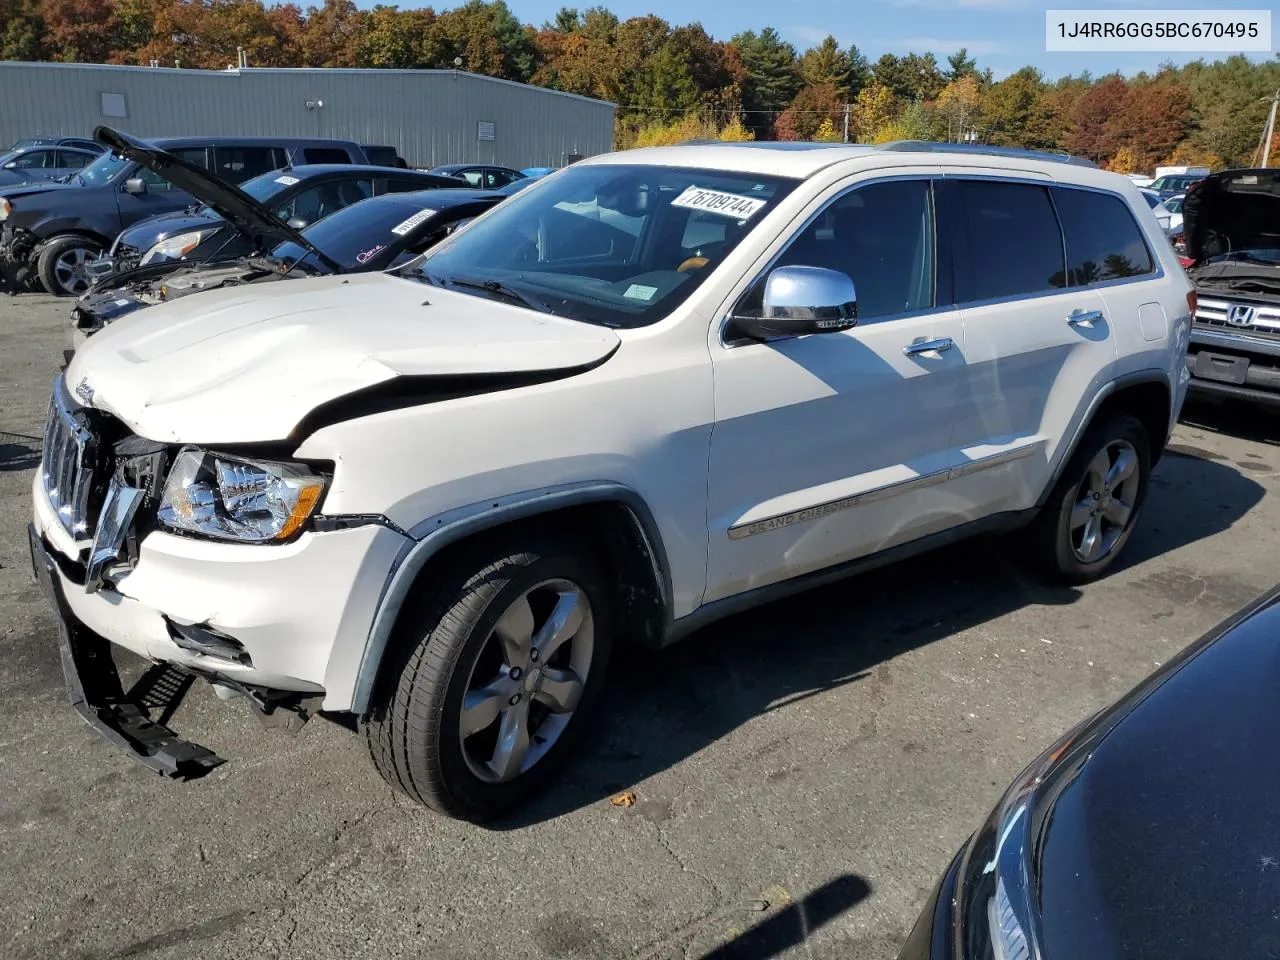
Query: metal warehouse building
(430, 116)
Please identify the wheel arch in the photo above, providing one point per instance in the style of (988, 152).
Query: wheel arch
(78, 232)
(612, 517)
(1146, 394)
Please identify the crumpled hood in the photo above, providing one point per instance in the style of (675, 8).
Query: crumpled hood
(1232, 210)
(246, 364)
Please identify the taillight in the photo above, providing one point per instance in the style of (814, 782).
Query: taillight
(1191, 302)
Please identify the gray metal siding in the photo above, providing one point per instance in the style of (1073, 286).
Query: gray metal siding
(430, 116)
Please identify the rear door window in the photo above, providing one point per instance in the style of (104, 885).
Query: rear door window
(1009, 242)
(35, 160)
(238, 164)
(324, 155)
(475, 177)
(1104, 242)
(74, 159)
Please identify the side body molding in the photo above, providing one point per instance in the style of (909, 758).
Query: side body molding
(433, 535)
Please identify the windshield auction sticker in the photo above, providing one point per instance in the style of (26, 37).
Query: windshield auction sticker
(1173, 31)
(714, 201)
(287, 181)
(401, 229)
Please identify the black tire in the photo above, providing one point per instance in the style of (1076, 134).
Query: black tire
(51, 265)
(1051, 536)
(413, 731)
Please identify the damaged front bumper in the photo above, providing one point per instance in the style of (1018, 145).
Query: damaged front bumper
(285, 624)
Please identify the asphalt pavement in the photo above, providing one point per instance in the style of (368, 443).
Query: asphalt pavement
(802, 773)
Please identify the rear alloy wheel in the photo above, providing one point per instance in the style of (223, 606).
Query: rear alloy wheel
(1093, 509)
(63, 266)
(496, 672)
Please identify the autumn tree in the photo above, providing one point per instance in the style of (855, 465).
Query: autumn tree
(957, 107)
(772, 78)
(79, 30)
(960, 65)
(873, 111)
(1153, 119)
(331, 35)
(812, 107)
(22, 31)
(913, 77)
(1096, 128)
(1012, 113)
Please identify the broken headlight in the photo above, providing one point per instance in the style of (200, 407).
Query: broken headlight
(233, 498)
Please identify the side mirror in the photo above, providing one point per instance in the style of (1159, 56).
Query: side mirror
(800, 301)
(297, 223)
(135, 185)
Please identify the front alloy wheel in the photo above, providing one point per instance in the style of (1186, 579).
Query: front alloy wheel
(493, 675)
(527, 681)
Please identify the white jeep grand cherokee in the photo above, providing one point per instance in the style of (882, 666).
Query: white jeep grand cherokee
(653, 389)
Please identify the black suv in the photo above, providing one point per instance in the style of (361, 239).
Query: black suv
(51, 231)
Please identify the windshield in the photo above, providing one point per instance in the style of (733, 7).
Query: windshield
(262, 188)
(103, 170)
(608, 244)
(1174, 204)
(1152, 200)
(356, 234)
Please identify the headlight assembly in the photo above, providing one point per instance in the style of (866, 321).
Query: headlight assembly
(177, 246)
(233, 498)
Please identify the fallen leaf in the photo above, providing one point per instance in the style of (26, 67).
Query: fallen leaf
(627, 798)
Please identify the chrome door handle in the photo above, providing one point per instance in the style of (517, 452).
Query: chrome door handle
(928, 346)
(1085, 318)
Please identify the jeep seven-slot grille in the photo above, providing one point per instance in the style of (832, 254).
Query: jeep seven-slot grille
(67, 464)
(1261, 318)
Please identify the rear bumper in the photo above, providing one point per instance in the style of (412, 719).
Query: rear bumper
(300, 612)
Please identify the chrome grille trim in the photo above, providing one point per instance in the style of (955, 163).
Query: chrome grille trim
(1213, 313)
(66, 464)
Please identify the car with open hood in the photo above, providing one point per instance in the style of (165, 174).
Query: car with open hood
(375, 234)
(51, 231)
(1144, 833)
(1230, 237)
(296, 196)
(651, 390)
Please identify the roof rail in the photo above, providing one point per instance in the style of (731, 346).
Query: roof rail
(925, 146)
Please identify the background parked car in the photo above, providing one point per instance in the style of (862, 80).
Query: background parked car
(28, 164)
(1158, 208)
(1143, 832)
(298, 196)
(82, 142)
(534, 173)
(1174, 206)
(1171, 185)
(383, 156)
(375, 234)
(51, 231)
(485, 176)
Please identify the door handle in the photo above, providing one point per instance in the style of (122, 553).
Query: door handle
(1085, 318)
(928, 346)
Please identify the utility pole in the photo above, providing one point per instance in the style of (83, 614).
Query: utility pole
(846, 123)
(1271, 129)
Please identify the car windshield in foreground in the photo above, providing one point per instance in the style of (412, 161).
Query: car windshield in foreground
(356, 234)
(618, 245)
(103, 170)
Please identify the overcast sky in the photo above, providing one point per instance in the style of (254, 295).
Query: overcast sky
(1003, 34)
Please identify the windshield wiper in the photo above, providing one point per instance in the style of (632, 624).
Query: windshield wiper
(500, 289)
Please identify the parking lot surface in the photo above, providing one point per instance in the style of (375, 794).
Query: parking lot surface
(802, 773)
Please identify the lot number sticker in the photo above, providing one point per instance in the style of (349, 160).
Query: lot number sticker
(403, 228)
(714, 201)
(287, 181)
